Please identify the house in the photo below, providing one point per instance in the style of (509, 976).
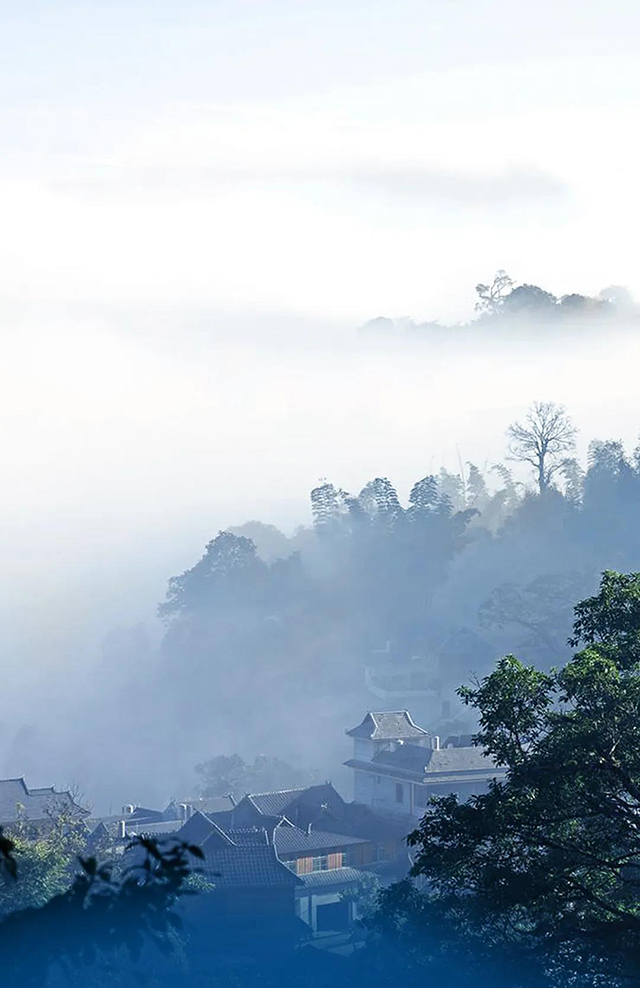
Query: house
(328, 864)
(138, 821)
(252, 891)
(301, 806)
(398, 765)
(329, 845)
(37, 807)
(246, 868)
(321, 808)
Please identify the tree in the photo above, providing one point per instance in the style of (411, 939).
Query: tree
(491, 297)
(230, 569)
(327, 506)
(542, 609)
(584, 305)
(620, 297)
(424, 498)
(476, 488)
(541, 441)
(103, 913)
(226, 774)
(529, 300)
(453, 487)
(573, 480)
(380, 499)
(47, 859)
(545, 867)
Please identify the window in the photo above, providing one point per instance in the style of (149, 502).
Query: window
(321, 863)
(379, 852)
(399, 792)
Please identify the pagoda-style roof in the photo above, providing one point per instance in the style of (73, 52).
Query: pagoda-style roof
(388, 725)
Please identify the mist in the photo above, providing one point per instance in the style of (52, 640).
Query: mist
(135, 435)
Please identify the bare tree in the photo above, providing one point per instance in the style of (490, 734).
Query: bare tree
(541, 441)
(491, 297)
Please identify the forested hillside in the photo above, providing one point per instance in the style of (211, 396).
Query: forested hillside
(276, 630)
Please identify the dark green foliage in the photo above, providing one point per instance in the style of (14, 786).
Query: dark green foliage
(610, 621)
(47, 856)
(8, 867)
(104, 913)
(543, 871)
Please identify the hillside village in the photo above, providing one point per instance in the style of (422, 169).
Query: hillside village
(297, 862)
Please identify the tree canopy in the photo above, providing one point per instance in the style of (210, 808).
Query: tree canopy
(541, 875)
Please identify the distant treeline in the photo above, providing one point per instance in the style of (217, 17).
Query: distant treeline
(504, 302)
(474, 564)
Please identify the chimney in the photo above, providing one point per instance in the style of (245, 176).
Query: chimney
(122, 829)
(128, 809)
(182, 812)
(435, 742)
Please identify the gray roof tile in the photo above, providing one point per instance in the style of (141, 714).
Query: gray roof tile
(199, 829)
(142, 828)
(17, 802)
(381, 725)
(248, 867)
(274, 803)
(333, 876)
(412, 761)
(428, 761)
(292, 840)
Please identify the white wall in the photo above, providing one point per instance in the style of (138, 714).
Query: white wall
(379, 790)
(363, 750)
(363, 787)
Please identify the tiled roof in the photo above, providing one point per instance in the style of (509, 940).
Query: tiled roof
(223, 819)
(371, 824)
(248, 867)
(428, 761)
(274, 803)
(248, 836)
(410, 760)
(199, 829)
(98, 833)
(212, 804)
(141, 827)
(292, 840)
(389, 725)
(103, 828)
(144, 813)
(333, 876)
(460, 760)
(17, 802)
(300, 806)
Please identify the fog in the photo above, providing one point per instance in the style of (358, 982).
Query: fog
(132, 436)
(202, 203)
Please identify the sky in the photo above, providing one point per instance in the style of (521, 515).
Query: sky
(337, 159)
(202, 201)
